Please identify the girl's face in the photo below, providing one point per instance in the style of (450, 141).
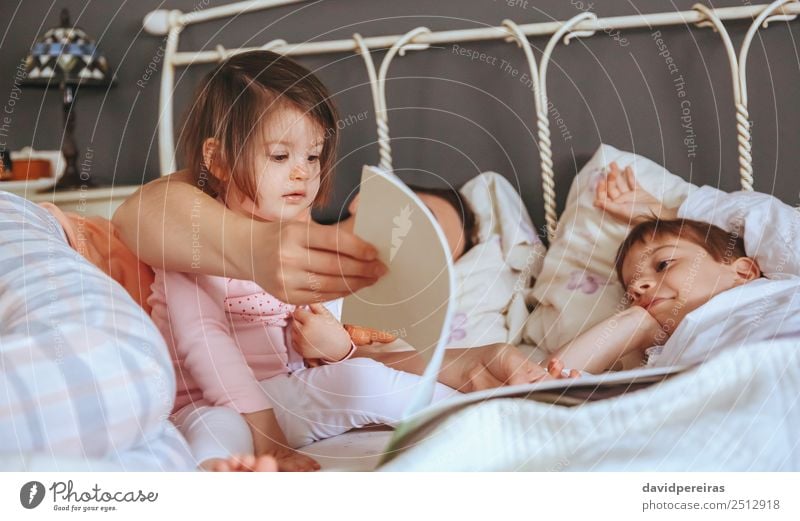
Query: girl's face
(288, 167)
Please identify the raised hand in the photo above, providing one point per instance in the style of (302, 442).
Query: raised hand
(624, 199)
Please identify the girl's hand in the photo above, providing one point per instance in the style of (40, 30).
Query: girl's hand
(623, 198)
(316, 334)
(302, 262)
(362, 336)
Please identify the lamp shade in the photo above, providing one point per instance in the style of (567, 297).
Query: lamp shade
(66, 55)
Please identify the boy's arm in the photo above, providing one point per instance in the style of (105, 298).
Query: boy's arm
(599, 348)
(770, 228)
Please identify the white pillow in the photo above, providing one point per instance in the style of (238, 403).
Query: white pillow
(499, 210)
(578, 285)
(493, 277)
(484, 287)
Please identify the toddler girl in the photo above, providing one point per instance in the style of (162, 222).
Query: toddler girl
(261, 137)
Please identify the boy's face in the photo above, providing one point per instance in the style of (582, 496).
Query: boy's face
(671, 277)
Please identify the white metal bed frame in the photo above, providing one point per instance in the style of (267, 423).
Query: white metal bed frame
(172, 22)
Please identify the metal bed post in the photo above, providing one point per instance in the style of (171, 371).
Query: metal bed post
(762, 20)
(405, 43)
(739, 77)
(173, 22)
(567, 32)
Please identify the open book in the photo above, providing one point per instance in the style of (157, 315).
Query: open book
(566, 392)
(415, 300)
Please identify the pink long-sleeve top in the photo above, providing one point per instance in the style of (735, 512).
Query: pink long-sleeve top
(224, 335)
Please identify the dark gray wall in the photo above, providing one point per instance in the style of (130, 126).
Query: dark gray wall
(450, 118)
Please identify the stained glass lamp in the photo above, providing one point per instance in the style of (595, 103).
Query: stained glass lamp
(66, 57)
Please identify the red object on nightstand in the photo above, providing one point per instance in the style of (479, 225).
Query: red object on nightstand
(27, 169)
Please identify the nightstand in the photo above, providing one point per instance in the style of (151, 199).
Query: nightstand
(91, 201)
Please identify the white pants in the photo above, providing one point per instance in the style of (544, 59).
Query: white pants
(310, 404)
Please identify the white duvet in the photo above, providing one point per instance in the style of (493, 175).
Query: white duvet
(737, 411)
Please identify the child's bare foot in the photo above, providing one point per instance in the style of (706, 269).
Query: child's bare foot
(246, 463)
(292, 461)
(556, 369)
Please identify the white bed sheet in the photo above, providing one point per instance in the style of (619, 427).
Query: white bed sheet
(354, 451)
(739, 411)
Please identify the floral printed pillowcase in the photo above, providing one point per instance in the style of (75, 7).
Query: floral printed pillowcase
(485, 286)
(578, 286)
(494, 276)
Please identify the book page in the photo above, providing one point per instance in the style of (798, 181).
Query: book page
(413, 301)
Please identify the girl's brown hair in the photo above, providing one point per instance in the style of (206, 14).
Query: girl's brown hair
(723, 247)
(232, 104)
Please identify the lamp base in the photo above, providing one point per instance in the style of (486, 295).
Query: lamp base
(73, 179)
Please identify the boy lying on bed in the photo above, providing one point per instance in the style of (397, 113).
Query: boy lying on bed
(694, 287)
